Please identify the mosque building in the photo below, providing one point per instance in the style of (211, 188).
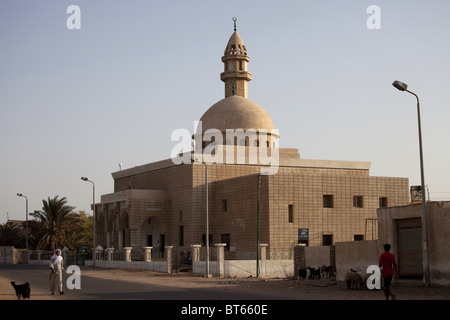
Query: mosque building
(260, 194)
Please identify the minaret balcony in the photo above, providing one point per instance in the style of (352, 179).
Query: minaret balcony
(241, 75)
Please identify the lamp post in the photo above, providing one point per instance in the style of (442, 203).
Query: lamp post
(93, 216)
(426, 264)
(257, 224)
(206, 214)
(26, 225)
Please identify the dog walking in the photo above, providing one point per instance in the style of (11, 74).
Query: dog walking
(56, 272)
(23, 291)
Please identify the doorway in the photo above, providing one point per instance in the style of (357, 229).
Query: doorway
(162, 243)
(149, 240)
(409, 241)
(152, 234)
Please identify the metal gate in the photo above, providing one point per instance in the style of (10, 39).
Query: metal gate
(409, 239)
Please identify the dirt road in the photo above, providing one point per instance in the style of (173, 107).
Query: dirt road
(186, 285)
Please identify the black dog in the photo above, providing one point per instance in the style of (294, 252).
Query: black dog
(22, 290)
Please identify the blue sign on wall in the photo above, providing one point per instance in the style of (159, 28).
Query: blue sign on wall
(303, 234)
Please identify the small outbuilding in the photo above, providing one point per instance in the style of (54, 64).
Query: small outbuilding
(401, 226)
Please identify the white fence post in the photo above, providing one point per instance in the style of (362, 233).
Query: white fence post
(147, 254)
(263, 256)
(195, 258)
(168, 254)
(39, 253)
(127, 253)
(220, 259)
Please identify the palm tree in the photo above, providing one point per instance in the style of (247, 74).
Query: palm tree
(87, 235)
(10, 235)
(59, 226)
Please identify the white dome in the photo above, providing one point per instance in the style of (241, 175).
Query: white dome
(235, 112)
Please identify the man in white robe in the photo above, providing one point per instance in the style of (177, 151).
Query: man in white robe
(56, 272)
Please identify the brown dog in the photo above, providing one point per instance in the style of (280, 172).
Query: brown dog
(22, 290)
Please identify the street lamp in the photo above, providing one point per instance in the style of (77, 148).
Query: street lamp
(206, 214)
(257, 224)
(26, 225)
(93, 215)
(426, 264)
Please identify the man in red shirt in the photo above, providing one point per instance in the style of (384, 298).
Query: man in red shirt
(389, 265)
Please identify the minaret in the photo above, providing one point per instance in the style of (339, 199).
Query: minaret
(235, 59)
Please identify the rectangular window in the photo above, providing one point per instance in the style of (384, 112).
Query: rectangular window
(224, 206)
(181, 236)
(291, 213)
(358, 201)
(383, 202)
(327, 239)
(328, 201)
(358, 237)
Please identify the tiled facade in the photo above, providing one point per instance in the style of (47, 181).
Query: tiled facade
(166, 199)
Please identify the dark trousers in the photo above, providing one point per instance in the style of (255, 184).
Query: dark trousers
(386, 285)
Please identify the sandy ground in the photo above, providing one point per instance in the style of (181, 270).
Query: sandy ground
(313, 289)
(7, 291)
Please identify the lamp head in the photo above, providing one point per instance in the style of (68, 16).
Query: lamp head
(84, 178)
(400, 85)
(19, 194)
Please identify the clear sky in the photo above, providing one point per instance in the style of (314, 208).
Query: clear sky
(79, 102)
